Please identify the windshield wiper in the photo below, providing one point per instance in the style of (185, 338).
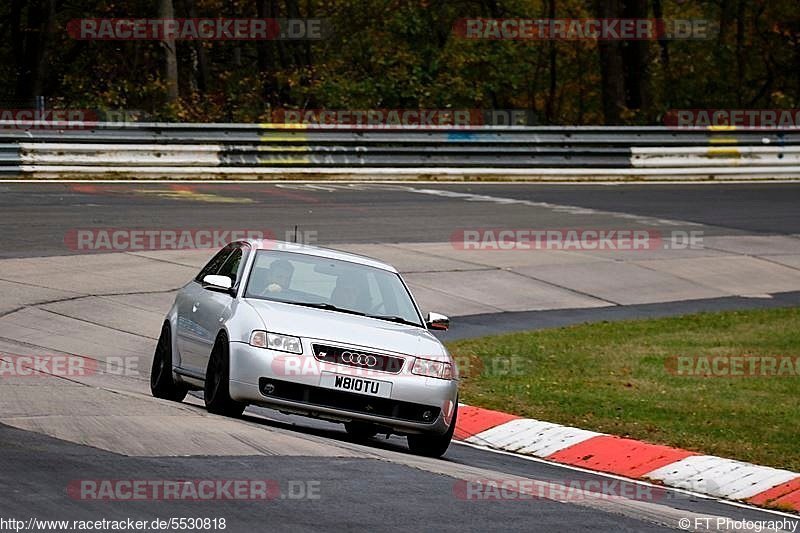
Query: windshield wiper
(331, 307)
(328, 307)
(393, 318)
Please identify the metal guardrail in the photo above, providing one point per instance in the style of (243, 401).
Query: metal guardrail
(140, 150)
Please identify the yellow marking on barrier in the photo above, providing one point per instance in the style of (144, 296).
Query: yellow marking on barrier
(283, 160)
(281, 135)
(301, 148)
(185, 193)
(282, 126)
(724, 152)
(723, 140)
(722, 127)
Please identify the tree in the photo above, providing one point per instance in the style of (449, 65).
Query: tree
(624, 65)
(167, 11)
(32, 25)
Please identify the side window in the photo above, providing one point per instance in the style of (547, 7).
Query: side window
(216, 262)
(231, 266)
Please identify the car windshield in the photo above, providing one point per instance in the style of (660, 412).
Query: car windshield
(331, 284)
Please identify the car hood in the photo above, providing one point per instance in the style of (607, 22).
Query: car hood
(337, 327)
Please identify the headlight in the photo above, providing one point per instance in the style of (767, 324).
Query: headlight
(276, 341)
(433, 369)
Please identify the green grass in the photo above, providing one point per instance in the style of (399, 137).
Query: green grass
(612, 378)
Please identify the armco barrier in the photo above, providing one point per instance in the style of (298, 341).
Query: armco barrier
(150, 150)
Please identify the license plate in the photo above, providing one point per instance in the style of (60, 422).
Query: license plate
(359, 385)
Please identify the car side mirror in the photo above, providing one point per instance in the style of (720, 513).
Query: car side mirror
(437, 321)
(218, 283)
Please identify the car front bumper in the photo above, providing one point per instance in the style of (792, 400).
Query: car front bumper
(292, 383)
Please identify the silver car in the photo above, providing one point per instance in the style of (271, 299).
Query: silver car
(314, 332)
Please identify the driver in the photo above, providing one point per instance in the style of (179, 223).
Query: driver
(279, 276)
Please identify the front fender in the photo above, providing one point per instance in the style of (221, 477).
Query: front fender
(242, 321)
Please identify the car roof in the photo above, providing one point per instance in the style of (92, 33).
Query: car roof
(307, 249)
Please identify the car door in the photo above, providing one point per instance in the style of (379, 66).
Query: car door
(213, 308)
(189, 333)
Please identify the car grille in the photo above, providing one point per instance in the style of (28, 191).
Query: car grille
(358, 358)
(346, 401)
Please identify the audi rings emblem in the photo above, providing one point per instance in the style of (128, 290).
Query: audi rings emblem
(359, 359)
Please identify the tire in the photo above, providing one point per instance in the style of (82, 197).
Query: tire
(360, 431)
(433, 445)
(162, 382)
(216, 392)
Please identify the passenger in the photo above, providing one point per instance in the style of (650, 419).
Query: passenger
(349, 293)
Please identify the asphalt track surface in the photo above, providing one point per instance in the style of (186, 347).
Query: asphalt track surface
(358, 493)
(35, 217)
(480, 325)
(350, 494)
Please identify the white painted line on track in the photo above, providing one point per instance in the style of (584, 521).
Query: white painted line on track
(559, 208)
